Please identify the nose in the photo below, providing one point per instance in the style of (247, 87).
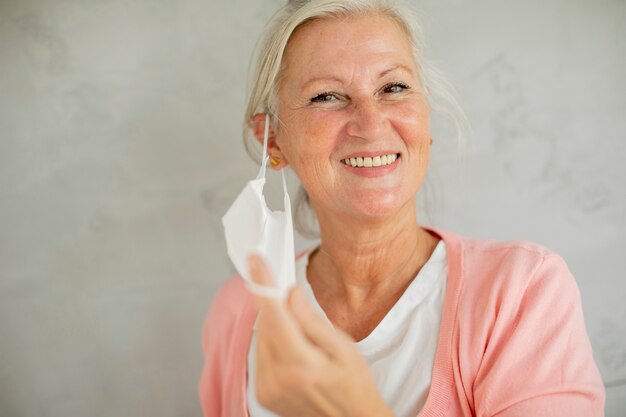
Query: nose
(367, 119)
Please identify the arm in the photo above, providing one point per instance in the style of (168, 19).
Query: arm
(210, 387)
(538, 360)
(222, 352)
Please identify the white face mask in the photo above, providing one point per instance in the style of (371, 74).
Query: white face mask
(251, 227)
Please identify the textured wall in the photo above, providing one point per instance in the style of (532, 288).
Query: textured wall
(120, 150)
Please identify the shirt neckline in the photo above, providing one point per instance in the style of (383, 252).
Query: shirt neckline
(421, 285)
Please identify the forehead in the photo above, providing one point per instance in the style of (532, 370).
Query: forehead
(335, 44)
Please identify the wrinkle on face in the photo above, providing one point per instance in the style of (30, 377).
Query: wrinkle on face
(352, 58)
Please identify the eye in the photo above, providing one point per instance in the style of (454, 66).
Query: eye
(324, 98)
(395, 88)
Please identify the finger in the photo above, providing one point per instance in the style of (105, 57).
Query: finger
(333, 342)
(277, 326)
(260, 275)
(259, 270)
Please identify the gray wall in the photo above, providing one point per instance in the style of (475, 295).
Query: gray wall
(120, 150)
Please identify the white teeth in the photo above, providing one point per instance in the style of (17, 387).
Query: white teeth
(366, 161)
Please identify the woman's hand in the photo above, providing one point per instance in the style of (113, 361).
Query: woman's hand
(304, 366)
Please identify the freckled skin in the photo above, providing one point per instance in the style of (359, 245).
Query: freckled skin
(346, 57)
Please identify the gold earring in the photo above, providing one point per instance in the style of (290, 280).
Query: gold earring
(274, 160)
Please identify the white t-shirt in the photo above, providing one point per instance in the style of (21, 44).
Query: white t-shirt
(400, 351)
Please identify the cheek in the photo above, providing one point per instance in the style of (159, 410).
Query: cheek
(310, 137)
(415, 113)
(413, 124)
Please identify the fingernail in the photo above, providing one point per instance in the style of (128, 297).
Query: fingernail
(253, 262)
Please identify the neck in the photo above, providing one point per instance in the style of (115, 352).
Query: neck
(360, 260)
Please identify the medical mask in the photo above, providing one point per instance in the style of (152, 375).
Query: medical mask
(251, 227)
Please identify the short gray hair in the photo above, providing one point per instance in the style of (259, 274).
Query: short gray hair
(269, 51)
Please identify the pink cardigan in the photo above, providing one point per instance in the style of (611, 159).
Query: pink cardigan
(512, 341)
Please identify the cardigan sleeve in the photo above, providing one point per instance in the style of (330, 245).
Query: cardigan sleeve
(219, 335)
(210, 387)
(538, 360)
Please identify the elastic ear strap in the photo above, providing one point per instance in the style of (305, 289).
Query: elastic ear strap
(266, 133)
(286, 194)
(265, 139)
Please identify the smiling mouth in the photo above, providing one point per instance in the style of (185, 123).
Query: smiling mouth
(368, 162)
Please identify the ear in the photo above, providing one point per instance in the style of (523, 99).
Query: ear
(277, 159)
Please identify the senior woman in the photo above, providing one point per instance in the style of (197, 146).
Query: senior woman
(389, 318)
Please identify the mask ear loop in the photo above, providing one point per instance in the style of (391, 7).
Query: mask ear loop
(263, 290)
(261, 173)
(286, 201)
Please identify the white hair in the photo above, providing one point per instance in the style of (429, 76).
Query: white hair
(265, 75)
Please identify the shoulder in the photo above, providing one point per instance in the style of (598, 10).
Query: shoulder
(519, 261)
(516, 262)
(515, 251)
(232, 303)
(497, 273)
(231, 296)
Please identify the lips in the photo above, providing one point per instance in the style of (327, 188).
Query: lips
(370, 161)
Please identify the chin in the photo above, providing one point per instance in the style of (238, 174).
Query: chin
(377, 206)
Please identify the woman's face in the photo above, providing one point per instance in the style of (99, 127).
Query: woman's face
(349, 88)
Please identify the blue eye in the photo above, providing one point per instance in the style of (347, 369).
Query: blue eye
(324, 98)
(394, 88)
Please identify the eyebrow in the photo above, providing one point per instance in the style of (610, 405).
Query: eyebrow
(339, 80)
(395, 67)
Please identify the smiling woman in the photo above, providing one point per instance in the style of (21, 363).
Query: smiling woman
(389, 318)
(368, 104)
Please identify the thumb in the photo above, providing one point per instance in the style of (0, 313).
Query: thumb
(259, 271)
(262, 279)
(282, 329)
